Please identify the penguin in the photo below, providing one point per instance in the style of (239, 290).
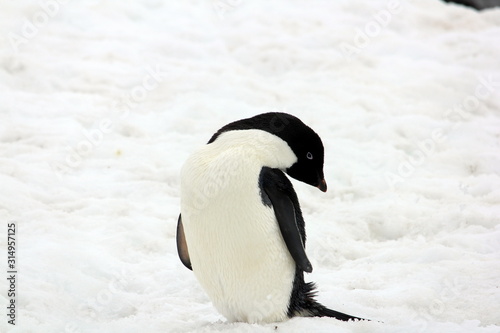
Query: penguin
(241, 229)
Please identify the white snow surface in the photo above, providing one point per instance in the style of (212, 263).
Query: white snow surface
(102, 101)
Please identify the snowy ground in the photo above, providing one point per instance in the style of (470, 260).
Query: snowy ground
(100, 104)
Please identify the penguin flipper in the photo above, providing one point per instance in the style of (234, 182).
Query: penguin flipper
(182, 248)
(285, 215)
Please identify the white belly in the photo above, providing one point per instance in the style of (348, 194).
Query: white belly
(237, 252)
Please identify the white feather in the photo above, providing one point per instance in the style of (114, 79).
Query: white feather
(235, 245)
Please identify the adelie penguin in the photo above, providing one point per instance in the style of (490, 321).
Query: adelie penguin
(241, 229)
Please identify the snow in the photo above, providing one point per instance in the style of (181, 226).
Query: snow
(101, 102)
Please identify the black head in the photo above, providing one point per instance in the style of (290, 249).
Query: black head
(303, 141)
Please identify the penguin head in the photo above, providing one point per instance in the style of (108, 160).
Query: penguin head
(303, 141)
(310, 158)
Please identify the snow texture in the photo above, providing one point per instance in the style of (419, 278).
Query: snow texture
(102, 101)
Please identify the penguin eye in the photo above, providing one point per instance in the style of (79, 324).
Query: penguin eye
(309, 156)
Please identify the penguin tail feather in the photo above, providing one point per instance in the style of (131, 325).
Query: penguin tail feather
(322, 311)
(310, 307)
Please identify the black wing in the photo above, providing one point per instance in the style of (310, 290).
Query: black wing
(277, 191)
(182, 248)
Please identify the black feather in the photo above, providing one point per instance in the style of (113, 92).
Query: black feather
(302, 302)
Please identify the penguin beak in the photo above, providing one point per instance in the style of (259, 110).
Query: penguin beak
(322, 185)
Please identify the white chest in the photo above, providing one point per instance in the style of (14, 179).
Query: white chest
(236, 249)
